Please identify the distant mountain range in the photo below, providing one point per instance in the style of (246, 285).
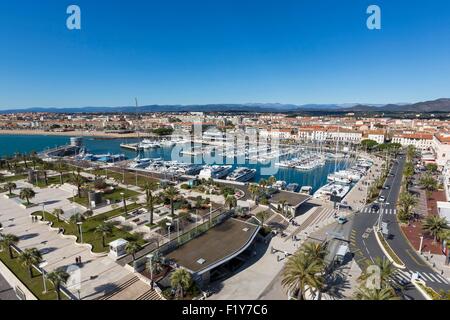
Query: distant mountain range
(440, 105)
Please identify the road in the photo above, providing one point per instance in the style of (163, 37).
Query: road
(365, 246)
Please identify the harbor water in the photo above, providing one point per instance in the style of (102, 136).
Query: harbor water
(11, 144)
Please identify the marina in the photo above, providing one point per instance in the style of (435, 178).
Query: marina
(159, 159)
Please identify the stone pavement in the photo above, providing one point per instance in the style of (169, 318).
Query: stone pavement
(97, 273)
(253, 280)
(355, 198)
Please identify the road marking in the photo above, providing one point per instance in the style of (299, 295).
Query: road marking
(442, 278)
(415, 260)
(433, 277)
(426, 277)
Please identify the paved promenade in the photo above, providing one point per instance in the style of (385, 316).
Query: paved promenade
(97, 273)
(355, 198)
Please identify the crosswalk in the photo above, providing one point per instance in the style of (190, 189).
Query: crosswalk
(383, 211)
(402, 276)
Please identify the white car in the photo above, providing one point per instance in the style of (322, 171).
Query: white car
(381, 199)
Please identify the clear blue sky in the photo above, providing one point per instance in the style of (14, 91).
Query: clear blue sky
(222, 51)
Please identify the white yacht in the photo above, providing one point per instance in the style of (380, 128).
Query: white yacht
(148, 144)
(280, 185)
(140, 163)
(332, 188)
(242, 174)
(214, 172)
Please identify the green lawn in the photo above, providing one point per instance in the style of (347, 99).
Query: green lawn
(34, 284)
(116, 212)
(89, 226)
(114, 197)
(52, 180)
(130, 178)
(14, 178)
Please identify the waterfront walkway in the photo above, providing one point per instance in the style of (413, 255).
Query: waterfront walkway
(357, 196)
(98, 273)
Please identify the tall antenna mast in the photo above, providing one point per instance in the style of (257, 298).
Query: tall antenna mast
(137, 106)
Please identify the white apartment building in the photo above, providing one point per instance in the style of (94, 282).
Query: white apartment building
(376, 135)
(421, 141)
(441, 148)
(329, 134)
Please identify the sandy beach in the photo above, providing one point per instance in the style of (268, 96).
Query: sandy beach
(75, 133)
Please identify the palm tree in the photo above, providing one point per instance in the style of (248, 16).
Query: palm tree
(133, 248)
(24, 158)
(57, 213)
(262, 216)
(46, 166)
(315, 250)
(428, 183)
(78, 217)
(435, 226)
(385, 293)
(445, 236)
(105, 229)
(407, 202)
(230, 201)
(171, 193)
(34, 159)
(7, 240)
(302, 273)
(27, 194)
(30, 258)
(271, 180)
(263, 183)
(77, 180)
(149, 187)
(58, 277)
(384, 267)
(254, 190)
(410, 153)
(181, 280)
(61, 167)
(11, 186)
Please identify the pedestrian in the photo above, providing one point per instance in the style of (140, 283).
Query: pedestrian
(79, 259)
(76, 260)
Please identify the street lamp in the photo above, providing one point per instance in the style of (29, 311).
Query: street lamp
(421, 243)
(210, 214)
(150, 257)
(43, 211)
(124, 202)
(42, 265)
(80, 230)
(168, 224)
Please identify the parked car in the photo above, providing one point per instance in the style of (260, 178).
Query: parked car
(342, 220)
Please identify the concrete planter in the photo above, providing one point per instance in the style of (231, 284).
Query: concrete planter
(400, 266)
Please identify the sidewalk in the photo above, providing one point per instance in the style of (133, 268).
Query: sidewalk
(355, 198)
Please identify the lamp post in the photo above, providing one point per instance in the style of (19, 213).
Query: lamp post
(124, 202)
(421, 243)
(43, 211)
(42, 265)
(80, 230)
(168, 224)
(150, 257)
(210, 215)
